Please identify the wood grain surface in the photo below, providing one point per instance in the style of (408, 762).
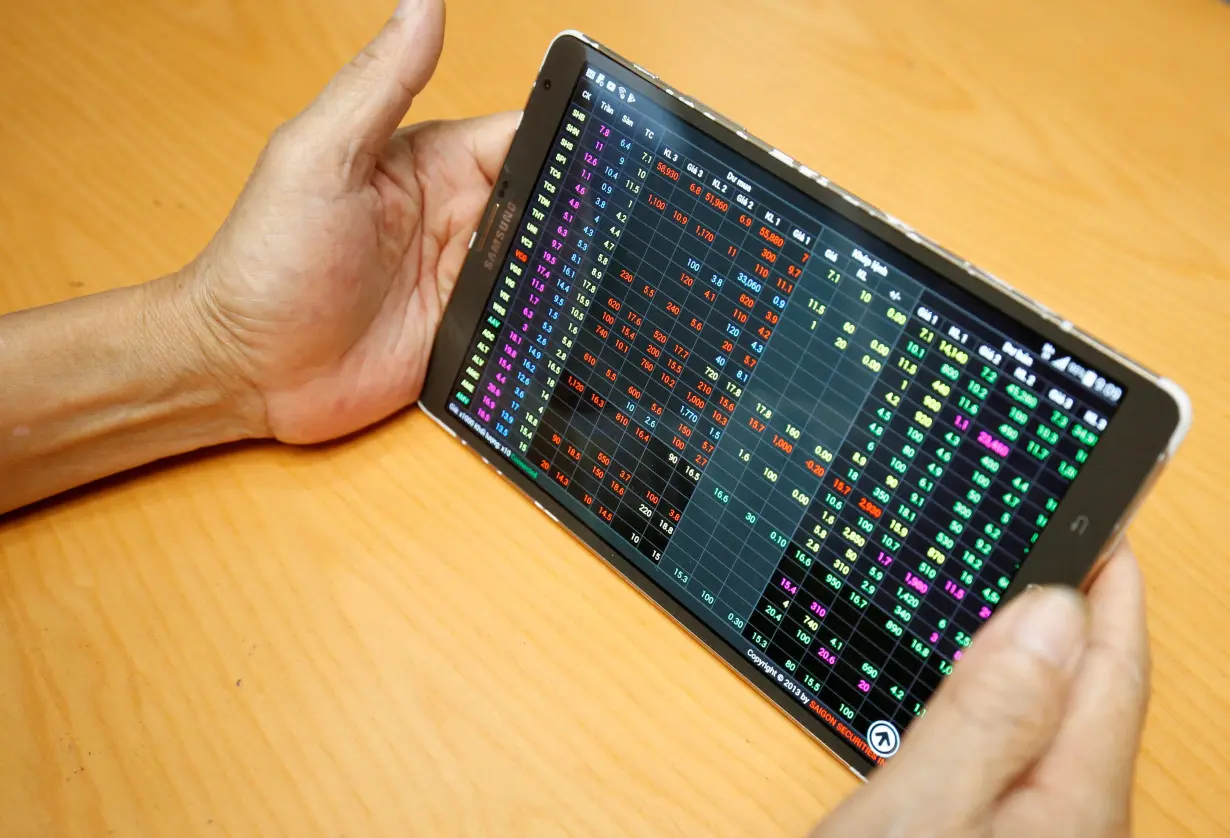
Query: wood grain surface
(379, 637)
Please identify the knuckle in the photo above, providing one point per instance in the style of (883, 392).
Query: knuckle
(1015, 689)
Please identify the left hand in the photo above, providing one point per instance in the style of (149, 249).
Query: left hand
(323, 290)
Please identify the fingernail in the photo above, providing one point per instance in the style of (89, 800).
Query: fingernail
(405, 7)
(1053, 625)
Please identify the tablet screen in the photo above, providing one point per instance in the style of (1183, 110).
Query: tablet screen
(828, 453)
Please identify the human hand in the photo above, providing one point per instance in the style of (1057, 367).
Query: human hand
(323, 290)
(1034, 734)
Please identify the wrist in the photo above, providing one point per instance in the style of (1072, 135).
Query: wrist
(194, 351)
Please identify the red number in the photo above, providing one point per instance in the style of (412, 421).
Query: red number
(648, 292)
(746, 301)
(608, 318)
(647, 365)
(668, 379)
(680, 218)
(761, 271)
(687, 280)
(589, 359)
(621, 346)
(705, 234)
(783, 443)
(783, 285)
(602, 332)
(756, 424)
(771, 317)
(664, 169)
(635, 319)
(659, 336)
(562, 478)
(707, 446)
(841, 485)
(727, 404)
(815, 468)
(653, 350)
(765, 332)
(610, 375)
(696, 324)
(657, 203)
(740, 315)
(768, 255)
(705, 387)
(634, 392)
(606, 514)
(870, 508)
(575, 383)
(793, 271)
(681, 352)
(678, 443)
(674, 309)
(604, 458)
(614, 304)
(695, 400)
(721, 419)
(771, 237)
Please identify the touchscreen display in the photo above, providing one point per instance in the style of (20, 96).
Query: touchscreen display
(831, 455)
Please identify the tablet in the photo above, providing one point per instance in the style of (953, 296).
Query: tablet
(827, 447)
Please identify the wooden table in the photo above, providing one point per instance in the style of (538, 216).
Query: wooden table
(379, 637)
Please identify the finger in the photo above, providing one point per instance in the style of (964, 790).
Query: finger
(997, 713)
(355, 115)
(488, 139)
(1099, 736)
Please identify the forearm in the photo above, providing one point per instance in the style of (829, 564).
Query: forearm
(97, 385)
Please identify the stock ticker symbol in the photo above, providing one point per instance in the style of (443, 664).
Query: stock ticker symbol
(883, 738)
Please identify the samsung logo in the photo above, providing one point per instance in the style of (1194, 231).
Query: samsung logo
(499, 234)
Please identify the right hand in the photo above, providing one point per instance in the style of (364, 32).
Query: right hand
(1008, 746)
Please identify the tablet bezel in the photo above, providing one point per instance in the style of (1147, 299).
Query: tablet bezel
(1092, 515)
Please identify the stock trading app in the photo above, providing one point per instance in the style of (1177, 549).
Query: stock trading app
(831, 455)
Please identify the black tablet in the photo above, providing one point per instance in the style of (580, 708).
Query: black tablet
(829, 448)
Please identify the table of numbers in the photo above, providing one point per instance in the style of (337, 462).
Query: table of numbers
(835, 464)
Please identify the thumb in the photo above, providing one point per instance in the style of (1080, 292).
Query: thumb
(998, 712)
(355, 115)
